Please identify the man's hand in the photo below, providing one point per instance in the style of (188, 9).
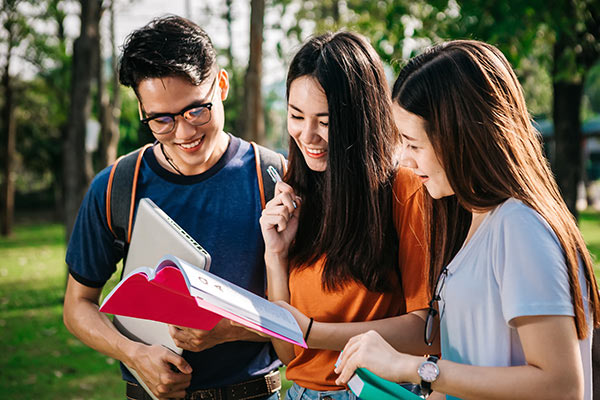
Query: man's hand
(199, 340)
(165, 373)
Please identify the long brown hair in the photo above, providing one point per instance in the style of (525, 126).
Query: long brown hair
(481, 131)
(346, 214)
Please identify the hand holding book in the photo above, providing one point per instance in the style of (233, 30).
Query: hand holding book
(382, 366)
(199, 340)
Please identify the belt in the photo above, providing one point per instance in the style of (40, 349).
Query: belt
(251, 389)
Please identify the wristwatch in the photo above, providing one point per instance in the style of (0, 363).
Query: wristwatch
(428, 371)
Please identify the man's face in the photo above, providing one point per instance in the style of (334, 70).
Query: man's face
(193, 149)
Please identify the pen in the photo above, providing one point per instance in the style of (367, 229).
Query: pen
(276, 178)
(273, 174)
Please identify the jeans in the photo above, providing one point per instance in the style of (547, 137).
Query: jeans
(297, 392)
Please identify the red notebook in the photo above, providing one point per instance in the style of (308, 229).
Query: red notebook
(177, 293)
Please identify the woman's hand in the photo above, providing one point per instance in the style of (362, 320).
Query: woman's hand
(279, 220)
(369, 350)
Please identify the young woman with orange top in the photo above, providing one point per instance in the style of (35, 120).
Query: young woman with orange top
(344, 235)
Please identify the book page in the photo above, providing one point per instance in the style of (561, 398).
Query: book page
(240, 301)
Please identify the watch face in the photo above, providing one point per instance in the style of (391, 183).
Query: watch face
(428, 371)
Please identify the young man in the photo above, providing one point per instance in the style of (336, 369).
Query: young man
(205, 179)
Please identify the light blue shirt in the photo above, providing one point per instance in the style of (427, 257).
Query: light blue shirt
(512, 266)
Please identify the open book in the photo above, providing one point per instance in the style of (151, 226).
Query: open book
(175, 292)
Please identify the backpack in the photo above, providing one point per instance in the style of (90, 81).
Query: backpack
(122, 185)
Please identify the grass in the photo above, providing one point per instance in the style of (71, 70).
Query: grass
(589, 223)
(39, 358)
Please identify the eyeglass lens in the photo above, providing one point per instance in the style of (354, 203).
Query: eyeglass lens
(195, 116)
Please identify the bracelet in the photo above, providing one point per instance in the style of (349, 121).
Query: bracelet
(308, 329)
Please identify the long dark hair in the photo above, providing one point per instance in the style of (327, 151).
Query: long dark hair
(478, 124)
(346, 214)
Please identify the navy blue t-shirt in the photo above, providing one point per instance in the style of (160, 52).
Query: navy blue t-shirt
(220, 209)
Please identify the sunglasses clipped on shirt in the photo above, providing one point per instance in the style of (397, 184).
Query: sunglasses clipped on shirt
(431, 327)
(195, 114)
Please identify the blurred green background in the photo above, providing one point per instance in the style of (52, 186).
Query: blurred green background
(63, 117)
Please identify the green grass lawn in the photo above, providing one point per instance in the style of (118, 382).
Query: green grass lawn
(39, 358)
(589, 223)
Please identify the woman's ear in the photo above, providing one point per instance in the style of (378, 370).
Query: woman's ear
(223, 84)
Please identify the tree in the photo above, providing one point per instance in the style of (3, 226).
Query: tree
(235, 100)
(592, 90)
(576, 49)
(76, 165)
(564, 38)
(570, 31)
(15, 28)
(43, 104)
(253, 116)
(108, 106)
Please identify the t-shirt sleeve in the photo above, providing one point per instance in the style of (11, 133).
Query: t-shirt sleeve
(530, 268)
(412, 248)
(90, 255)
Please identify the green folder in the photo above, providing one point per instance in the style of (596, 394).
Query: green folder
(368, 386)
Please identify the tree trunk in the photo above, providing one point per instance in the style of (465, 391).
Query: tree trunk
(568, 137)
(115, 104)
(10, 131)
(254, 124)
(567, 130)
(85, 51)
(103, 105)
(229, 21)
(109, 112)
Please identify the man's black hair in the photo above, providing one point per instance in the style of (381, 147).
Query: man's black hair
(169, 46)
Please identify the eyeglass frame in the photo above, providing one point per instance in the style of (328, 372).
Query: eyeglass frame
(432, 312)
(208, 106)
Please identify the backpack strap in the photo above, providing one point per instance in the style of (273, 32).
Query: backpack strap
(120, 197)
(265, 158)
(122, 185)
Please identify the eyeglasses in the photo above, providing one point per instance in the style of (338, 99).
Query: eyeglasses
(431, 328)
(195, 115)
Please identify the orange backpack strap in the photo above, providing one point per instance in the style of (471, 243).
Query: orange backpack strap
(265, 158)
(120, 197)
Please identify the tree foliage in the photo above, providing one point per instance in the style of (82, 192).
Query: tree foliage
(556, 45)
(36, 29)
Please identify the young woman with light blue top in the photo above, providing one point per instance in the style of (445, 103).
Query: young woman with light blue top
(514, 284)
